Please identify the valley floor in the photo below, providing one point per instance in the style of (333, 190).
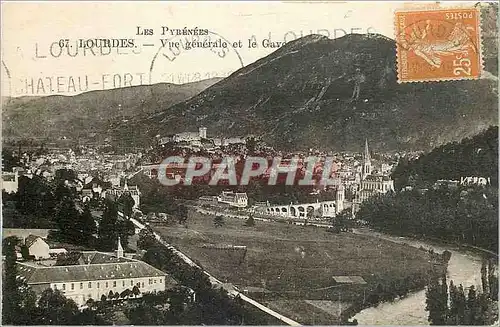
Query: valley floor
(291, 268)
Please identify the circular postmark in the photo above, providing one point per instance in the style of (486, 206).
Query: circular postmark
(191, 58)
(442, 34)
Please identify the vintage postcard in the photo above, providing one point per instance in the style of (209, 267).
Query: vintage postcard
(249, 163)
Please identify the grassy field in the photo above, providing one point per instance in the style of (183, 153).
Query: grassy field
(294, 263)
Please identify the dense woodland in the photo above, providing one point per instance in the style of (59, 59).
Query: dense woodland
(40, 203)
(462, 214)
(475, 156)
(467, 215)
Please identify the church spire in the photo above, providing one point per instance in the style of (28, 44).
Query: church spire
(119, 251)
(367, 152)
(367, 165)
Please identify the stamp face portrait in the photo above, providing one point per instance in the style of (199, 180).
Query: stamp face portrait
(436, 45)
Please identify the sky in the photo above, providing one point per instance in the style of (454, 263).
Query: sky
(34, 64)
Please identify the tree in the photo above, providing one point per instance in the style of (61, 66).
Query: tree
(135, 291)
(178, 298)
(473, 311)
(309, 215)
(343, 221)
(182, 213)
(10, 307)
(146, 239)
(89, 317)
(111, 295)
(126, 204)
(25, 252)
(453, 312)
(125, 294)
(335, 227)
(444, 298)
(90, 303)
(446, 256)
(145, 315)
(66, 214)
(251, 144)
(56, 309)
(125, 228)
(250, 222)
(9, 160)
(461, 304)
(436, 301)
(107, 228)
(218, 221)
(492, 281)
(466, 215)
(87, 226)
(63, 175)
(30, 312)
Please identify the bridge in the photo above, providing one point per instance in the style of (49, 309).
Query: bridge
(319, 209)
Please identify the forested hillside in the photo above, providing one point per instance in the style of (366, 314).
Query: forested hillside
(475, 156)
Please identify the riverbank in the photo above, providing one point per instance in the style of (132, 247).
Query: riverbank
(430, 243)
(463, 268)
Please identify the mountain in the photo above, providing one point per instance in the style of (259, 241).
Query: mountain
(88, 115)
(475, 156)
(489, 28)
(300, 96)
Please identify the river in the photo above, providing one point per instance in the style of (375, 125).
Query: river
(464, 268)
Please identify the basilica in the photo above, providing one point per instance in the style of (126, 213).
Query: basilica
(371, 183)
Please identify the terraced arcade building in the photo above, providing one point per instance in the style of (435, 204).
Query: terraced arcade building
(86, 275)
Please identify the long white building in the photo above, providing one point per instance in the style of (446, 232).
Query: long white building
(91, 274)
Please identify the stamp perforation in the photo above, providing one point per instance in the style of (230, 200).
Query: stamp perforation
(403, 75)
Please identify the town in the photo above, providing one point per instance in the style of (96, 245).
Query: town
(305, 177)
(119, 208)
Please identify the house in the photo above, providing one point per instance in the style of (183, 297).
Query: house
(234, 199)
(10, 182)
(208, 200)
(446, 183)
(115, 193)
(94, 275)
(54, 253)
(349, 280)
(91, 191)
(37, 247)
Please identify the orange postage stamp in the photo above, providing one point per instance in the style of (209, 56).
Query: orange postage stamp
(438, 44)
